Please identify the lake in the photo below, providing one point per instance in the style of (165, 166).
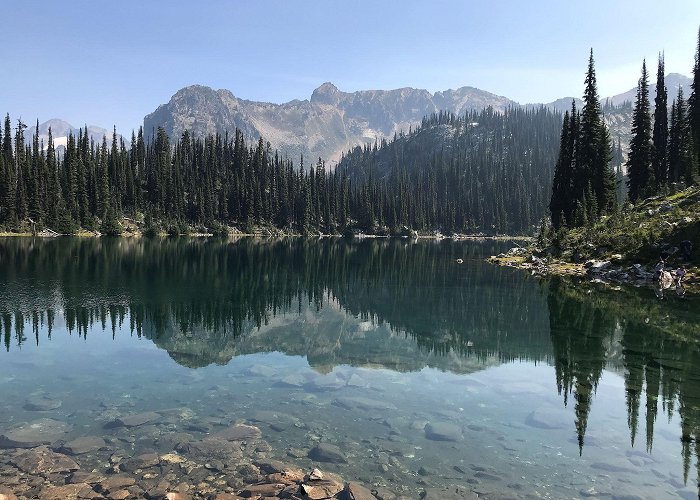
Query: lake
(385, 362)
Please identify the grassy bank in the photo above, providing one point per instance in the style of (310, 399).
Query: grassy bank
(636, 235)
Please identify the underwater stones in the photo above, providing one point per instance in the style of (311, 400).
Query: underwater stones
(173, 495)
(238, 432)
(133, 420)
(486, 476)
(319, 489)
(212, 449)
(43, 461)
(360, 403)
(551, 418)
(610, 467)
(326, 452)
(277, 421)
(271, 466)
(34, 433)
(41, 403)
(6, 494)
(262, 490)
(114, 483)
(383, 493)
(442, 431)
(355, 491)
(143, 461)
(83, 444)
(448, 493)
(172, 458)
(66, 492)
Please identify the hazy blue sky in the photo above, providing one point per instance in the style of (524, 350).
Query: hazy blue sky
(108, 63)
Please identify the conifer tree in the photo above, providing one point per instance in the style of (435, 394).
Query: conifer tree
(593, 151)
(639, 167)
(680, 148)
(660, 135)
(561, 185)
(694, 111)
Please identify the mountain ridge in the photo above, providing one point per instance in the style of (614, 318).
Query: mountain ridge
(331, 121)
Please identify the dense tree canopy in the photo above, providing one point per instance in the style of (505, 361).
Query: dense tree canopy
(490, 173)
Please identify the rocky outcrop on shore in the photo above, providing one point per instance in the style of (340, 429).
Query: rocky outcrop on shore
(604, 271)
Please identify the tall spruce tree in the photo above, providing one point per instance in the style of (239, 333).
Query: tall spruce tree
(660, 135)
(594, 150)
(694, 112)
(559, 205)
(639, 168)
(681, 161)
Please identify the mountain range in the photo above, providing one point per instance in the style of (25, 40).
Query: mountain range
(332, 122)
(60, 129)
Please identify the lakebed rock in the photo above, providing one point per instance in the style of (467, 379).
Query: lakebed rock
(360, 403)
(326, 452)
(41, 403)
(133, 420)
(238, 432)
(42, 461)
(355, 491)
(34, 433)
(551, 418)
(83, 444)
(443, 431)
(319, 489)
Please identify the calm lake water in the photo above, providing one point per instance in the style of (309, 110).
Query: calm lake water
(424, 372)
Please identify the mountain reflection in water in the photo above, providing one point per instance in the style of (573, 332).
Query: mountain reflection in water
(206, 301)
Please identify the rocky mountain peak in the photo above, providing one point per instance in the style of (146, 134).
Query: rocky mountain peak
(327, 93)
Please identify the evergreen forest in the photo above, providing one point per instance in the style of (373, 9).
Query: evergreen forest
(663, 155)
(483, 172)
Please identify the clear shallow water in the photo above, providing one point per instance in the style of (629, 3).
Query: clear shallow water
(424, 372)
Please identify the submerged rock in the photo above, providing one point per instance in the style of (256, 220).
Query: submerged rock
(134, 420)
(81, 445)
(360, 403)
(550, 419)
(326, 452)
(262, 490)
(114, 483)
(143, 461)
(41, 403)
(67, 491)
(443, 431)
(238, 432)
(34, 433)
(356, 491)
(320, 489)
(43, 461)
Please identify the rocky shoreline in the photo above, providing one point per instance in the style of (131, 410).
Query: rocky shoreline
(612, 271)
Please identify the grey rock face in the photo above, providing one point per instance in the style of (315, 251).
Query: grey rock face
(327, 125)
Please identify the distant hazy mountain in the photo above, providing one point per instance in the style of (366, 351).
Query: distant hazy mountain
(60, 130)
(332, 122)
(327, 125)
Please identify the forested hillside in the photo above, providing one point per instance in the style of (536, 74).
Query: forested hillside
(483, 172)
